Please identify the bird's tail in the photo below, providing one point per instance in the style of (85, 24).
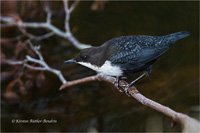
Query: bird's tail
(178, 35)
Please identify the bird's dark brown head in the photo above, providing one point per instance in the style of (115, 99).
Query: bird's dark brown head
(90, 55)
(85, 55)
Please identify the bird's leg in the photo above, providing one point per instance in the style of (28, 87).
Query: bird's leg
(117, 84)
(129, 85)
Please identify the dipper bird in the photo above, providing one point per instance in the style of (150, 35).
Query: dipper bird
(127, 55)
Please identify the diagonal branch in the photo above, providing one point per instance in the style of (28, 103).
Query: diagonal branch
(79, 81)
(187, 123)
(73, 6)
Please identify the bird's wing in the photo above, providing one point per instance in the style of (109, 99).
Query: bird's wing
(140, 55)
(137, 52)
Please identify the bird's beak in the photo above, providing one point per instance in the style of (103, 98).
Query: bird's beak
(68, 61)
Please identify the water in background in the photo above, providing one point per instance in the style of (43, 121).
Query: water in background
(98, 106)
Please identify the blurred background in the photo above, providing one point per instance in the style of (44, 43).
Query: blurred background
(99, 106)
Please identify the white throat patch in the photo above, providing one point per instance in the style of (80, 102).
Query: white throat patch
(106, 68)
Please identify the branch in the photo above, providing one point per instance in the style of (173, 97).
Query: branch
(11, 21)
(73, 6)
(188, 123)
(69, 36)
(48, 12)
(38, 38)
(79, 81)
(43, 65)
(67, 16)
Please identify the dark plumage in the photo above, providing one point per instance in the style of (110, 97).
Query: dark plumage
(138, 53)
(127, 54)
(131, 53)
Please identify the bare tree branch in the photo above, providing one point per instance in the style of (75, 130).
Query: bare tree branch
(16, 21)
(10, 21)
(68, 33)
(188, 123)
(79, 81)
(43, 65)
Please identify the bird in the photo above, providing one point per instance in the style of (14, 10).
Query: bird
(126, 55)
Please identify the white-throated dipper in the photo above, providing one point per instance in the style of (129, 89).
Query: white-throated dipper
(127, 55)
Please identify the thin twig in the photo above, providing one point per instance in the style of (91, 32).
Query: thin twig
(43, 65)
(67, 16)
(34, 67)
(15, 62)
(48, 12)
(73, 6)
(44, 36)
(36, 50)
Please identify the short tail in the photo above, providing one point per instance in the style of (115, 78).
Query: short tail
(178, 35)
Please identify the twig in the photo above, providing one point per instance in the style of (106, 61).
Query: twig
(48, 12)
(43, 65)
(68, 33)
(188, 123)
(73, 6)
(67, 16)
(38, 38)
(10, 21)
(15, 62)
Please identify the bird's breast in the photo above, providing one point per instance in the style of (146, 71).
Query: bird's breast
(107, 68)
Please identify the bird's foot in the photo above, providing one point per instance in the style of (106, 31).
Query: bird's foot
(116, 83)
(126, 89)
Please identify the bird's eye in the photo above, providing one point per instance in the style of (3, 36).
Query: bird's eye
(84, 57)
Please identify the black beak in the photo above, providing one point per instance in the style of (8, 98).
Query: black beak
(68, 61)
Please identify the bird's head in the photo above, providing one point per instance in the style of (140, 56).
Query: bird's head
(90, 57)
(83, 56)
